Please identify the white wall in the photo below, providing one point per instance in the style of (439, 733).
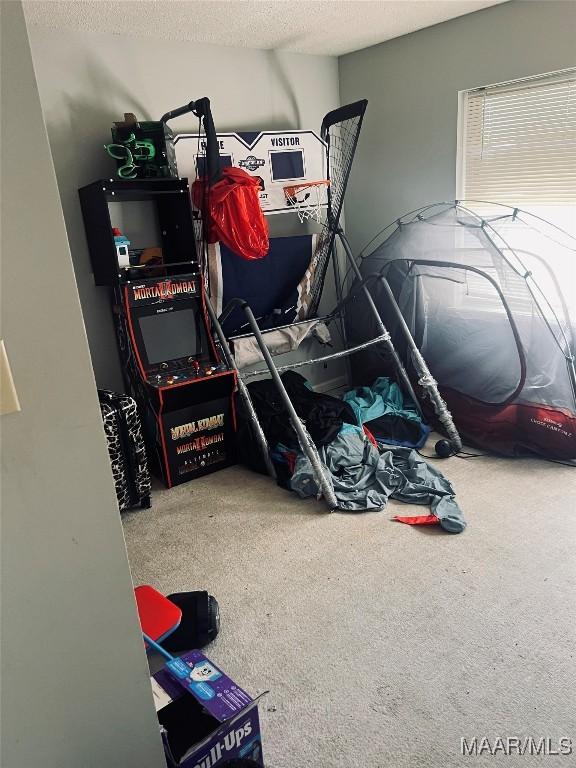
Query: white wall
(74, 679)
(88, 80)
(407, 153)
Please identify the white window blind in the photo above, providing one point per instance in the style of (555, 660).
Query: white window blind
(518, 144)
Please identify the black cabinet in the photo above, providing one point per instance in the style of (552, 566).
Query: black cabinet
(154, 215)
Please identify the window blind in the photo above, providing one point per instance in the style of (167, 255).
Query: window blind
(519, 142)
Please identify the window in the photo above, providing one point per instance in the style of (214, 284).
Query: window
(517, 145)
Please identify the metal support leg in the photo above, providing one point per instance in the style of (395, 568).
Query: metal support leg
(244, 394)
(381, 327)
(342, 318)
(425, 378)
(306, 442)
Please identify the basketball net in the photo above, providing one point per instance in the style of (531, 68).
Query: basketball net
(306, 199)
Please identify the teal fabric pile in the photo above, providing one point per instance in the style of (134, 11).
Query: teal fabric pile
(390, 418)
(383, 398)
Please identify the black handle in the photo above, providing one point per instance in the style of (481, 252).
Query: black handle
(178, 111)
(201, 108)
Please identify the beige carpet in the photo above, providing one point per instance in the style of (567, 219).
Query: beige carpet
(383, 645)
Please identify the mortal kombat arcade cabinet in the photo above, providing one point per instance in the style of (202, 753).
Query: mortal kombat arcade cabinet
(142, 244)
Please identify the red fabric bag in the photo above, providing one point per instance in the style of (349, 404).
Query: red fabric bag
(232, 209)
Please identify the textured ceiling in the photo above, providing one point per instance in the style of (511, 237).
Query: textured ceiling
(330, 27)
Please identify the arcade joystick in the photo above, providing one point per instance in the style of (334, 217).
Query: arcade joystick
(196, 367)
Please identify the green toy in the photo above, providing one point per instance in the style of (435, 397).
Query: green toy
(144, 149)
(131, 150)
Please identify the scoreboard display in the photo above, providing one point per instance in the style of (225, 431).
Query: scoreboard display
(278, 159)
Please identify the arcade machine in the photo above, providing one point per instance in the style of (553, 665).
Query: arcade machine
(141, 239)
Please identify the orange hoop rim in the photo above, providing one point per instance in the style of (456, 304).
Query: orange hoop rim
(292, 189)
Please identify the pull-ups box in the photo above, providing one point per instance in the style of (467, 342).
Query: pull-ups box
(218, 723)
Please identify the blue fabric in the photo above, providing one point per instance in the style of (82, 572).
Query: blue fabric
(269, 285)
(383, 398)
(424, 432)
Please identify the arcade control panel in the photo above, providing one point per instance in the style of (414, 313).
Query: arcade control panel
(183, 372)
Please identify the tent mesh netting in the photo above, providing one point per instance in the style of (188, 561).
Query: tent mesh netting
(488, 300)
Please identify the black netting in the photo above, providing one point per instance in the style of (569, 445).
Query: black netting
(340, 129)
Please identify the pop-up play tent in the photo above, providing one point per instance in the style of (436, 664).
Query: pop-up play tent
(486, 291)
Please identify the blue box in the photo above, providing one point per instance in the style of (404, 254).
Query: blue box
(219, 722)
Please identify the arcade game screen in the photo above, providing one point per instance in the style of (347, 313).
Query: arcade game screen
(171, 335)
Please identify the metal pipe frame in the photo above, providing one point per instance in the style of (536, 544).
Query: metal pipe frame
(425, 378)
(306, 443)
(381, 327)
(243, 390)
(342, 353)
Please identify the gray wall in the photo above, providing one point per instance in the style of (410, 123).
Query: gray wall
(407, 153)
(88, 80)
(75, 688)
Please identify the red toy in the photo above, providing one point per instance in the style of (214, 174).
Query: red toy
(159, 617)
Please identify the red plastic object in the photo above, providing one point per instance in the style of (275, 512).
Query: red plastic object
(159, 617)
(370, 436)
(417, 520)
(232, 207)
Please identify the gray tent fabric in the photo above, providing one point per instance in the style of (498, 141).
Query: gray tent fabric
(487, 294)
(364, 479)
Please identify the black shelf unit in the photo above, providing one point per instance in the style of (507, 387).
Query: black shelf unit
(170, 198)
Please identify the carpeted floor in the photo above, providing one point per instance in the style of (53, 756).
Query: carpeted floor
(383, 645)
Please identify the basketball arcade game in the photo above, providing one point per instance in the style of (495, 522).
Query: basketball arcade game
(288, 185)
(171, 364)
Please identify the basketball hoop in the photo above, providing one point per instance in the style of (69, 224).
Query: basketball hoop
(306, 198)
